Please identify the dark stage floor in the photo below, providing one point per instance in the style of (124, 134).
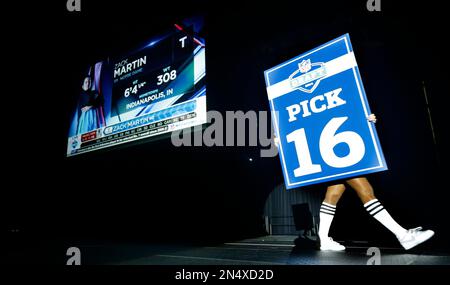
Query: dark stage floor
(269, 250)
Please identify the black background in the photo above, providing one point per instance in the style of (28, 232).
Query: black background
(157, 192)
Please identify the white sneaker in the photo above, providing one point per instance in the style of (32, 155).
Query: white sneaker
(329, 244)
(414, 237)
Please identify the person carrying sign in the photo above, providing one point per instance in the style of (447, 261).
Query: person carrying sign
(407, 238)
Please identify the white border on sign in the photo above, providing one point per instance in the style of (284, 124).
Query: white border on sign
(287, 176)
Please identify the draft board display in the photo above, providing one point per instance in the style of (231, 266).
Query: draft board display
(155, 89)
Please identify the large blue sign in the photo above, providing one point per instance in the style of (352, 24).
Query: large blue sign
(319, 110)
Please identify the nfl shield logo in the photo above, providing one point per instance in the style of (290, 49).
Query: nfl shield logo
(308, 76)
(304, 66)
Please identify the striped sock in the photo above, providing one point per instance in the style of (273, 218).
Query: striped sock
(376, 210)
(326, 217)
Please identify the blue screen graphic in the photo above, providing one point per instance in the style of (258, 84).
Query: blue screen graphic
(155, 89)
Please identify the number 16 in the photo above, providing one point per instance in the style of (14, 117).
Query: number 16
(328, 140)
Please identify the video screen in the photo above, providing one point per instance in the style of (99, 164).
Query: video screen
(155, 89)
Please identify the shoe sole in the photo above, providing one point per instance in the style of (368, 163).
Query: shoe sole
(329, 249)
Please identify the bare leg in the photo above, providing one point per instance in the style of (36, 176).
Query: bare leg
(365, 192)
(363, 188)
(334, 193)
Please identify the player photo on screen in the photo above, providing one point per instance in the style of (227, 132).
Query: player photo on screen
(89, 113)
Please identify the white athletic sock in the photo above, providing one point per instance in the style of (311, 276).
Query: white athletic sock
(326, 216)
(374, 208)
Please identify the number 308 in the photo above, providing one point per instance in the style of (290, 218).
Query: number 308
(166, 77)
